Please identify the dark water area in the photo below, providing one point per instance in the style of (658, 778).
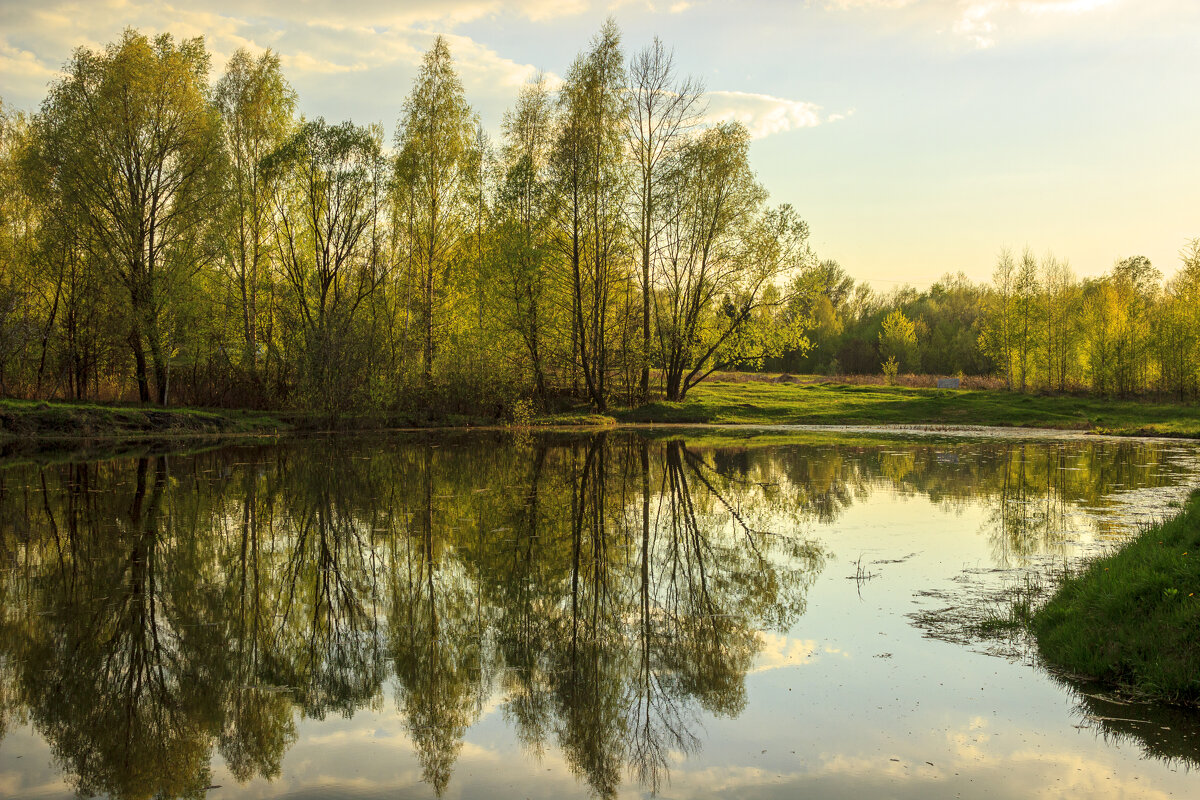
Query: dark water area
(694, 615)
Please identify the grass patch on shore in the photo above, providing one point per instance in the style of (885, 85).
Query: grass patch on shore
(42, 421)
(1132, 618)
(840, 404)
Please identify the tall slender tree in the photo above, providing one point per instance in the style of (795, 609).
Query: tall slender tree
(328, 232)
(662, 110)
(435, 139)
(589, 170)
(523, 254)
(256, 105)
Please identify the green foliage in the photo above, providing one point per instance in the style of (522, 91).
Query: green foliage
(256, 105)
(327, 229)
(133, 145)
(164, 239)
(890, 368)
(898, 342)
(433, 174)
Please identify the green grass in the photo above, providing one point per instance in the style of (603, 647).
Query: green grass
(1132, 618)
(24, 420)
(765, 403)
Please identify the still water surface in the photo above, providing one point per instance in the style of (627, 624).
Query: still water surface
(703, 614)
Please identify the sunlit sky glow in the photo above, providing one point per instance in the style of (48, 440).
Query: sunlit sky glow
(916, 136)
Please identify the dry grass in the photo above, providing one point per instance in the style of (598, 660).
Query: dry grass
(910, 381)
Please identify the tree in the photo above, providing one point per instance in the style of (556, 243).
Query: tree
(1025, 337)
(523, 253)
(18, 225)
(327, 228)
(1137, 283)
(661, 112)
(256, 105)
(134, 144)
(435, 139)
(996, 337)
(721, 251)
(1178, 332)
(590, 180)
(1058, 290)
(898, 340)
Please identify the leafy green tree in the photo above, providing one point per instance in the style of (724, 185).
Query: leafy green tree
(256, 105)
(898, 340)
(134, 143)
(525, 261)
(19, 279)
(435, 140)
(996, 339)
(662, 110)
(1025, 330)
(327, 228)
(721, 252)
(1060, 306)
(590, 179)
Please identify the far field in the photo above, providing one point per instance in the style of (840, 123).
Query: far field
(765, 403)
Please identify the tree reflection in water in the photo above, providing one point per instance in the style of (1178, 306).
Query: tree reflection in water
(607, 591)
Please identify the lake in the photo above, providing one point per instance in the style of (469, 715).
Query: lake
(696, 613)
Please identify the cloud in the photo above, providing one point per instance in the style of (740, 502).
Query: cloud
(1063, 6)
(318, 36)
(871, 3)
(764, 114)
(23, 63)
(976, 24)
(781, 651)
(345, 59)
(979, 22)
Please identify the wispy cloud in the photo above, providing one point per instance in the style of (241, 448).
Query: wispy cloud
(764, 114)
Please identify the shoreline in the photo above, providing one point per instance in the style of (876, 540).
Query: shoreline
(34, 424)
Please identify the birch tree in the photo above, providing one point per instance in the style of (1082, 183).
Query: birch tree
(524, 255)
(256, 105)
(590, 179)
(328, 230)
(433, 170)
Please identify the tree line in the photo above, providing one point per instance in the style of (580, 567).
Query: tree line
(181, 241)
(197, 242)
(1036, 326)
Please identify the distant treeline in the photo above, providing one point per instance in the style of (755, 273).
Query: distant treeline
(1036, 326)
(179, 241)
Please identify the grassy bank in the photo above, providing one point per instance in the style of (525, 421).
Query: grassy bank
(1132, 618)
(721, 402)
(26, 420)
(837, 404)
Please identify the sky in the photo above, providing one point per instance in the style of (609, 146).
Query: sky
(917, 137)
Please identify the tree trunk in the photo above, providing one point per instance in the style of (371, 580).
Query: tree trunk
(139, 362)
